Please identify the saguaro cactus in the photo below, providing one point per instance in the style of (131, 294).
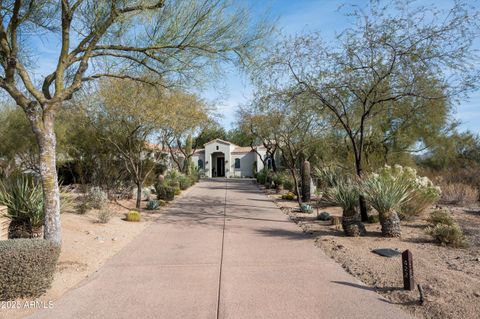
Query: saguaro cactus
(306, 181)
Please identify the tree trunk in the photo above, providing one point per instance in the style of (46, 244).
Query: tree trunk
(139, 195)
(306, 181)
(351, 224)
(361, 199)
(43, 127)
(390, 224)
(297, 189)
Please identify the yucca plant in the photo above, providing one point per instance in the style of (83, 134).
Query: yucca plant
(386, 192)
(345, 193)
(23, 198)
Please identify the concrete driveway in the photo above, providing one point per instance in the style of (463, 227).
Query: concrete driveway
(222, 251)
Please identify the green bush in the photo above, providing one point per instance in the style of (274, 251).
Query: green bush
(24, 199)
(165, 192)
(441, 216)
(449, 235)
(27, 267)
(262, 176)
(184, 182)
(373, 219)
(153, 204)
(133, 216)
(288, 196)
(177, 191)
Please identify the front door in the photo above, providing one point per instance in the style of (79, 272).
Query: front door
(221, 166)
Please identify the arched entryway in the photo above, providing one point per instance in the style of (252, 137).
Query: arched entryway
(218, 164)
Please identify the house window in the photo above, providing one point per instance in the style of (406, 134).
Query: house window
(200, 164)
(237, 163)
(217, 147)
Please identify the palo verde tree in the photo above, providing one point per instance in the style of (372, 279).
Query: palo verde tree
(409, 55)
(292, 125)
(188, 116)
(170, 40)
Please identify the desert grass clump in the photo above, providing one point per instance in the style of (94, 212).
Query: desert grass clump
(27, 267)
(448, 235)
(386, 191)
(459, 194)
(104, 216)
(441, 216)
(345, 193)
(133, 216)
(445, 230)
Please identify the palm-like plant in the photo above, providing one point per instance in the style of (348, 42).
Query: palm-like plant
(345, 193)
(24, 199)
(386, 193)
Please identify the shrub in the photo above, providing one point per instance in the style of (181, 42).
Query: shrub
(306, 208)
(324, 216)
(328, 176)
(449, 235)
(288, 184)
(153, 204)
(373, 219)
(177, 191)
(165, 192)
(262, 176)
(422, 193)
(133, 216)
(26, 267)
(288, 196)
(386, 192)
(184, 182)
(345, 193)
(96, 197)
(104, 216)
(459, 194)
(162, 202)
(24, 199)
(441, 216)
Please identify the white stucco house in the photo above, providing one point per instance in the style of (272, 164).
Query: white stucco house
(220, 158)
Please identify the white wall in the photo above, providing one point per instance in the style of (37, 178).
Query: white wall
(247, 161)
(223, 148)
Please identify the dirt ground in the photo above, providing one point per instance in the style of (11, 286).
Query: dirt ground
(87, 245)
(450, 277)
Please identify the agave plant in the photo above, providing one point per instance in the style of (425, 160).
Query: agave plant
(24, 199)
(345, 193)
(386, 192)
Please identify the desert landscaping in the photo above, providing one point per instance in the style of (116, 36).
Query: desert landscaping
(239, 159)
(450, 277)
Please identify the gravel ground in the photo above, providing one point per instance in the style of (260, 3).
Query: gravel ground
(450, 277)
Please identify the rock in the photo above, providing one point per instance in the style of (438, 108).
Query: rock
(100, 239)
(477, 259)
(114, 239)
(476, 294)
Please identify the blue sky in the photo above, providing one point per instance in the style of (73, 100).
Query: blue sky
(295, 17)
